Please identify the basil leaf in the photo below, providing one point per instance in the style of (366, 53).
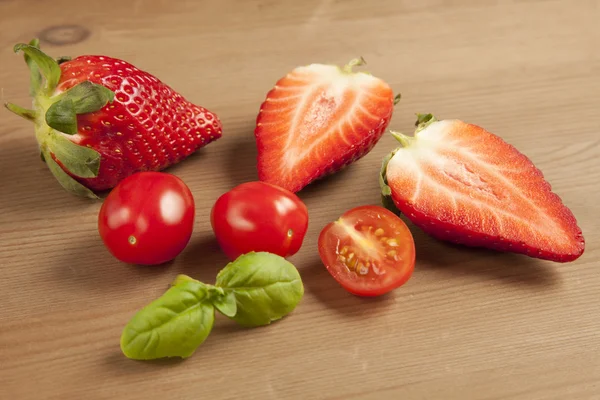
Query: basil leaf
(226, 304)
(222, 301)
(266, 286)
(174, 325)
(182, 278)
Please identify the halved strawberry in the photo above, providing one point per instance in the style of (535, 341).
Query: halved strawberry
(317, 120)
(463, 184)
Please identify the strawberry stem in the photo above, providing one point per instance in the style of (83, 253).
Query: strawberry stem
(354, 63)
(63, 59)
(423, 121)
(404, 140)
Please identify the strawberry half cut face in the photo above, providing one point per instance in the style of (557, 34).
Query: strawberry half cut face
(317, 120)
(463, 184)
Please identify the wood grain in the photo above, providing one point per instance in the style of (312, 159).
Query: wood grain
(470, 324)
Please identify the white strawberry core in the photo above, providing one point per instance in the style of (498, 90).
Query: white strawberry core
(326, 88)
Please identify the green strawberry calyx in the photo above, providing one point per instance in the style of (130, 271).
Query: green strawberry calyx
(356, 62)
(386, 191)
(54, 114)
(423, 121)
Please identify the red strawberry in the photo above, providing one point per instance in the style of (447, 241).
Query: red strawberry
(317, 120)
(463, 184)
(99, 120)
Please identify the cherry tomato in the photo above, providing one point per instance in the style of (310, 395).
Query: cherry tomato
(368, 250)
(147, 218)
(258, 216)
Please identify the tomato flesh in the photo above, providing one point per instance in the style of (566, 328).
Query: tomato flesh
(147, 219)
(258, 216)
(369, 251)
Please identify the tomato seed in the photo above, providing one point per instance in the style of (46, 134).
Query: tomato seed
(379, 232)
(392, 243)
(362, 269)
(352, 264)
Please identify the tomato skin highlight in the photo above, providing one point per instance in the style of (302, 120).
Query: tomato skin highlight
(147, 219)
(259, 216)
(369, 251)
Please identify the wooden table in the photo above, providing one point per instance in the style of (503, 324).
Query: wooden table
(469, 324)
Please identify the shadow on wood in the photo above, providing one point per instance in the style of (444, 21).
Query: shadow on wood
(240, 165)
(89, 267)
(326, 183)
(326, 290)
(457, 260)
(202, 259)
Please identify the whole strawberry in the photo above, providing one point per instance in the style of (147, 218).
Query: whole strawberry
(99, 120)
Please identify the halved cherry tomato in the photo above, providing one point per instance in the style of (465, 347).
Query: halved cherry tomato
(258, 216)
(368, 250)
(147, 218)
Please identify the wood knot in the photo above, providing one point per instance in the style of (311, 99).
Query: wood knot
(62, 35)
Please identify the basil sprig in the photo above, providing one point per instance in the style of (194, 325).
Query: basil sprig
(253, 290)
